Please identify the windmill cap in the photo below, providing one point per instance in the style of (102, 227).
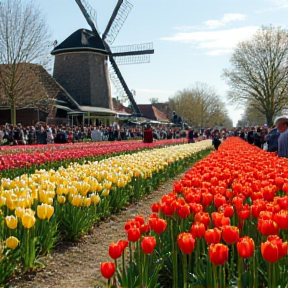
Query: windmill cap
(281, 119)
(81, 40)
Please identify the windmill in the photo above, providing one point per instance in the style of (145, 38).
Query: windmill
(81, 60)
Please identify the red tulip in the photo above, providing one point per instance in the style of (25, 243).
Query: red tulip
(230, 234)
(285, 188)
(177, 187)
(123, 244)
(228, 210)
(144, 229)
(269, 252)
(219, 200)
(148, 244)
(267, 227)
(202, 217)
(140, 219)
(184, 211)
(213, 236)
(281, 218)
(168, 209)
(115, 250)
(197, 230)
(133, 234)
(218, 254)
(158, 225)
(186, 242)
(282, 246)
(206, 199)
(155, 207)
(245, 247)
(108, 269)
(238, 202)
(195, 208)
(279, 181)
(244, 212)
(219, 219)
(283, 202)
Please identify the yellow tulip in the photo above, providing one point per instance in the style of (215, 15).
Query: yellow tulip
(11, 222)
(28, 220)
(87, 202)
(2, 201)
(76, 200)
(45, 211)
(19, 212)
(105, 193)
(61, 199)
(95, 199)
(12, 242)
(11, 204)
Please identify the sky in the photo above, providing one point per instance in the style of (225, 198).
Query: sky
(193, 39)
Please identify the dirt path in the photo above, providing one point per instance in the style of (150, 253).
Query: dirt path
(78, 265)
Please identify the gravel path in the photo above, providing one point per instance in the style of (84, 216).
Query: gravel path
(78, 265)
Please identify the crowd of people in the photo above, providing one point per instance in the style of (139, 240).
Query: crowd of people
(273, 139)
(44, 134)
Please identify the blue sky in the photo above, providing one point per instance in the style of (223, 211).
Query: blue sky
(193, 39)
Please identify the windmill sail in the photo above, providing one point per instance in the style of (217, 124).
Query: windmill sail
(87, 16)
(124, 85)
(133, 54)
(117, 20)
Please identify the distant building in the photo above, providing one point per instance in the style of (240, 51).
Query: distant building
(151, 112)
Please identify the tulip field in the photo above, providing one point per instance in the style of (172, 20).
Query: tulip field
(25, 157)
(225, 224)
(46, 206)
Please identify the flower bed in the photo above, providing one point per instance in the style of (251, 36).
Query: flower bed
(224, 225)
(26, 160)
(38, 209)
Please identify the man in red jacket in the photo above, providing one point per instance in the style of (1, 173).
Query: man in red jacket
(148, 134)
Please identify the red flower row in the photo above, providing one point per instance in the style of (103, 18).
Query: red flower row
(27, 158)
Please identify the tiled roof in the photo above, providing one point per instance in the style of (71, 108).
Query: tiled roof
(151, 112)
(35, 85)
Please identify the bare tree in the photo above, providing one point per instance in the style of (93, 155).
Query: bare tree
(259, 74)
(200, 106)
(24, 38)
(154, 100)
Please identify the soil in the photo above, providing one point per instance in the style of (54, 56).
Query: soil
(77, 265)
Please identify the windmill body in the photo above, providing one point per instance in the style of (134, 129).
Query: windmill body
(81, 60)
(81, 67)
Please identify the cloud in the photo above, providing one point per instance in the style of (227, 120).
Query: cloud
(275, 5)
(213, 24)
(217, 42)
